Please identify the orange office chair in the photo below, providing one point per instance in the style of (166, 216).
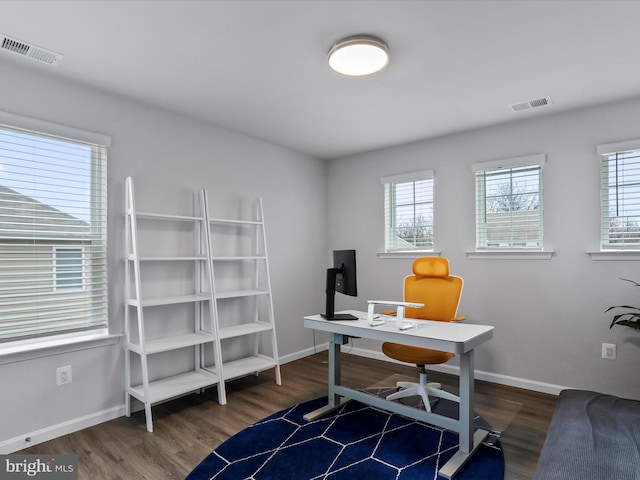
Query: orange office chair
(440, 293)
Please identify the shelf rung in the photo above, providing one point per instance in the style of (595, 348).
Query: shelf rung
(223, 221)
(242, 293)
(170, 387)
(244, 329)
(151, 302)
(166, 259)
(239, 257)
(165, 216)
(247, 366)
(172, 343)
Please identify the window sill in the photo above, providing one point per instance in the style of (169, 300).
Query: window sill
(615, 255)
(409, 254)
(510, 254)
(22, 350)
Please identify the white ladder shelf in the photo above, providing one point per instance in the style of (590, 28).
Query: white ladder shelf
(231, 303)
(199, 303)
(256, 325)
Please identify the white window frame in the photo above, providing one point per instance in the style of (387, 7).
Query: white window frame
(507, 251)
(608, 153)
(390, 184)
(24, 347)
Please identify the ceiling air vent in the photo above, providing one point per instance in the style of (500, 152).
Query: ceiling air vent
(30, 51)
(538, 102)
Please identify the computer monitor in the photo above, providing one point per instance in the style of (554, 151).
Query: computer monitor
(341, 278)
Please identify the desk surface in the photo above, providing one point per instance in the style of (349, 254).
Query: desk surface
(455, 337)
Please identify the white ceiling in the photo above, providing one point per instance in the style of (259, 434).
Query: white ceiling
(259, 67)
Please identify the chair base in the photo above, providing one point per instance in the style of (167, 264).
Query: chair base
(422, 389)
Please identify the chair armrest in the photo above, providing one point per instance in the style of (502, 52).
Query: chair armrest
(394, 303)
(454, 319)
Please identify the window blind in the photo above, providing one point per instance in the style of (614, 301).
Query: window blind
(620, 196)
(509, 203)
(408, 211)
(53, 234)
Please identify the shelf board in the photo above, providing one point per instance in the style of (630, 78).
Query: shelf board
(226, 221)
(167, 259)
(151, 302)
(173, 343)
(238, 258)
(242, 293)
(177, 385)
(164, 216)
(246, 366)
(244, 329)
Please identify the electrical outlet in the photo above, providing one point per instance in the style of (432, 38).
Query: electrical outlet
(609, 351)
(63, 375)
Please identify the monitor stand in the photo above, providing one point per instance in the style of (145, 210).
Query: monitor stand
(330, 303)
(339, 316)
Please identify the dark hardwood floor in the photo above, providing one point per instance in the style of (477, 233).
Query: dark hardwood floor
(187, 429)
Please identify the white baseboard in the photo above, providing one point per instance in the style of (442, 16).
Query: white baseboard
(54, 431)
(497, 378)
(524, 383)
(20, 442)
(303, 353)
(479, 374)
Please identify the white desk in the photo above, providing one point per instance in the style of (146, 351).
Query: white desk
(459, 338)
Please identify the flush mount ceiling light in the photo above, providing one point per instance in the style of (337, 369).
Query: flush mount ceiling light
(359, 55)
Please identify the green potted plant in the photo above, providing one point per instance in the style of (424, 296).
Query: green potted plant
(628, 319)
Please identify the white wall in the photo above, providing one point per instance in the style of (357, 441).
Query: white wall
(548, 314)
(168, 156)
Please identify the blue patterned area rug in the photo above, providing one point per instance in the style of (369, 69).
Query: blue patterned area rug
(355, 442)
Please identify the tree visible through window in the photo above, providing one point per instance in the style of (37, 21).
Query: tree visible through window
(509, 204)
(620, 199)
(409, 211)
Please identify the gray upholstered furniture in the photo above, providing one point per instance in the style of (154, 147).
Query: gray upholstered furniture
(591, 437)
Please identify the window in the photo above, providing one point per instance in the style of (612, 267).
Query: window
(53, 226)
(620, 195)
(69, 268)
(509, 203)
(408, 211)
